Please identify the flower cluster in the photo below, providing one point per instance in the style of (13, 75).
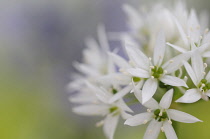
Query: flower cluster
(165, 55)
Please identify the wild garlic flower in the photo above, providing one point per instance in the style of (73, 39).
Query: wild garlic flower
(160, 117)
(199, 78)
(102, 107)
(193, 36)
(153, 70)
(96, 61)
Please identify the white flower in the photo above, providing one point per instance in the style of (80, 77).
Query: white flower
(103, 107)
(155, 71)
(160, 116)
(96, 62)
(193, 36)
(202, 82)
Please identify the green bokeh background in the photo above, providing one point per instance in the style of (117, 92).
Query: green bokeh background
(34, 103)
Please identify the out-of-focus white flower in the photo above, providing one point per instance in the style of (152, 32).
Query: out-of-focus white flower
(96, 61)
(155, 71)
(103, 107)
(202, 82)
(193, 36)
(160, 116)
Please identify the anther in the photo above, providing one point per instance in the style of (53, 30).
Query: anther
(205, 65)
(162, 129)
(185, 78)
(99, 124)
(145, 122)
(169, 121)
(206, 30)
(150, 58)
(152, 77)
(171, 61)
(148, 110)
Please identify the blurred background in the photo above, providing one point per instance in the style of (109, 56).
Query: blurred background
(39, 39)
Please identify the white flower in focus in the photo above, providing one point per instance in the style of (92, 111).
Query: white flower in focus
(102, 107)
(200, 80)
(153, 69)
(160, 117)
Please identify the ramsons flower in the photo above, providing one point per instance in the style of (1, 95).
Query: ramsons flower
(102, 107)
(193, 35)
(199, 78)
(153, 70)
(160, 117)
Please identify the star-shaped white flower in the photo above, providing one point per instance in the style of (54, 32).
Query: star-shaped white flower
(160, 117)
(155, 71)
(192, 36)
(200, 80)
(103, 107)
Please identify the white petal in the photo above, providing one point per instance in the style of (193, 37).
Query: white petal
(208, 76)
(206, 54)
(91, 109)
(138, 57)
(102, 37)
(159, 49)
(191, 73)
(182, 116)
(110, 125)
(191, 95)
(122, 105)
(165, 102)
(139, 72)
(153, 130)
(181, 31)
(86, 69)
(151, 104)
(139, 119)
(180, 49)
(121, 93)
(197, 65)
(169, 130)
(149, 89)
(173, 81)
(102, 94)
(119, 61)
(176, 62)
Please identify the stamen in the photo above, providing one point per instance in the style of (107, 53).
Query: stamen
(205, 65)
(149, 110)
(201, 37)
(165, 71)
(100, 123)
(162, 129)
(204, 73)
(161, 113)
(185, 78)
(206, 30)
(150, 59)
(152, 77)
(188, 37)
(145, 122)
(171, 61)
(198, 27)
(152, 67)
(169, 121)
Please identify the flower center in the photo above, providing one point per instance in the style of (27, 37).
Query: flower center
(204, 85)
(114, 91)
(157, 71)
(114, 110)
(136, 79)
(160, 115)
